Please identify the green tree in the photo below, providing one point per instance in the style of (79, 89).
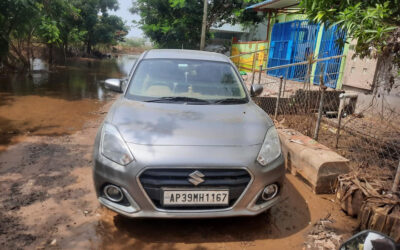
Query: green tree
(177, 23)
(58, 20)
(18, 19)
(55, 23)
(375, 24)
(109, 30)
(90, 20)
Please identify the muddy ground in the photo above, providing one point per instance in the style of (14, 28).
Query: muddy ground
(48, 202)
(21, 116)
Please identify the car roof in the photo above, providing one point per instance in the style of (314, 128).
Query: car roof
(185, 54)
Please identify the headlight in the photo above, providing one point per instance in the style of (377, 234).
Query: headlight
(113, 146)
(271, 148)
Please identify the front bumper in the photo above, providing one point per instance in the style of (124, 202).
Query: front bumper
(141, 205)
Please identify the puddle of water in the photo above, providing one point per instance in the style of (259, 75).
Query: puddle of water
(56, 101)
(78, 79)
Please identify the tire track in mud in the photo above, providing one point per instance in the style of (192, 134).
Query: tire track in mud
(46, 187)
(43, 173)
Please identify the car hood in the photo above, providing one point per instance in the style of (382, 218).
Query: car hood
(196, 125)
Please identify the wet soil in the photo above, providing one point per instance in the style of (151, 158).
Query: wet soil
(47, 187)
(48, 202)
(36, 115)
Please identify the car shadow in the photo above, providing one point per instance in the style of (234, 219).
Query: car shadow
(288, 217)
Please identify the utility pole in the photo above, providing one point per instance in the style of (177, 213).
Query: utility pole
(203, 26)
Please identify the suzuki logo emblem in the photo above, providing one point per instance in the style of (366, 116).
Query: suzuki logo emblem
(196, 178)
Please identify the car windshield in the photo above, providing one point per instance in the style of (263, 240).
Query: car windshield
(189, 81)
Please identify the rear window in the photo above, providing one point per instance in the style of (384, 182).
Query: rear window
(205, 80)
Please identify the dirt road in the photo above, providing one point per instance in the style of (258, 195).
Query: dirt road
(47, 201)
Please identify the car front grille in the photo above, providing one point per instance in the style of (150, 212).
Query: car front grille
(153, 180)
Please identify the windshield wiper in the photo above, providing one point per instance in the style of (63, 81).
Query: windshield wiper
(178, 99)
(230, 100)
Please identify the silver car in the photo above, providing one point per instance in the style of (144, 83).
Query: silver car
(185, 140)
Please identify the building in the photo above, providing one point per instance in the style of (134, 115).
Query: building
(291, 38)
(226, 32)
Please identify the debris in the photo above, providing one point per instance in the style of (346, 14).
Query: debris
(323, 236)
(364, 195)
(381, 214)
(353, 188)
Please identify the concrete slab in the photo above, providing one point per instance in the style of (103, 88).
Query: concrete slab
(317, 164)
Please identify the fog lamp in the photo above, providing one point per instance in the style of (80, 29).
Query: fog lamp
(113, 193)
(270, 192)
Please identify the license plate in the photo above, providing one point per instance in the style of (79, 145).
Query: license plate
(195, 197)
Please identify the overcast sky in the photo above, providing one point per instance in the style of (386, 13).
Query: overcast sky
(123, 12)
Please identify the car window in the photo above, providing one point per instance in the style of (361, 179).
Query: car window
(167, 78)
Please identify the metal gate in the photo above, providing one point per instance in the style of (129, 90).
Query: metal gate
(331, 45)
(292, 42)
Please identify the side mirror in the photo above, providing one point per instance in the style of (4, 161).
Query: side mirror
(113, 84)
(368, 240)
(256, 89)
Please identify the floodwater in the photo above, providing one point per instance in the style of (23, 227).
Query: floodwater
(56, 100)
(78, 79)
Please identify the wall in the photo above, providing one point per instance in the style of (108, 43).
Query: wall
(359, 73)
(366, 101)
(245, 62)
(255, 33)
